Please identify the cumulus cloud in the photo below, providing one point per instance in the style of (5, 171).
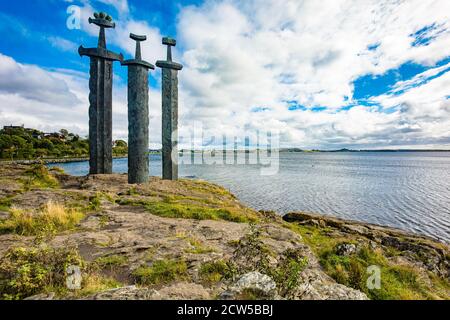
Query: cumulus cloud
(241, 56)
(261, 65)
(62, 44)
(34, 83)
(53, 99)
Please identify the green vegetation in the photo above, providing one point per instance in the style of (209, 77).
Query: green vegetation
(29, 271)
(161, 272)
(287, 273)
(186, 211)
(177, 209)
(38, 176)
(214, 271)
(188, 199)
(50, 219)
(25, 272)
(22, 143)
(6, 203)
(252, 254)
(197, 247)
(111, 262)
(190, 207)
(397, 281)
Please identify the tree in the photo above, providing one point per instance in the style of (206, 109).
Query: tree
(64, 132)
(121, 143)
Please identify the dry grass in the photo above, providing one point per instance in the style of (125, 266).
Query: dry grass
(50, 219)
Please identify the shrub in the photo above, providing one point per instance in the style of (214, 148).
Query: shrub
(26, 272)
(38, 176)
(214, 271)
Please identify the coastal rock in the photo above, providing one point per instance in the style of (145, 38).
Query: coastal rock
(346, 249)
(421, 250)
(316, 286)
(42, 296)
(259, 284)
(127, 227)
(124, 293)
(183, 291)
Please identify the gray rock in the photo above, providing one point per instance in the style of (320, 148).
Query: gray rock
(42, 296)
(346, 249)
(124, 293)
(253, 281)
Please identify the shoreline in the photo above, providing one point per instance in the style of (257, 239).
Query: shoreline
(206, 239)
(355, 227)
(52, 161)
(310, 217)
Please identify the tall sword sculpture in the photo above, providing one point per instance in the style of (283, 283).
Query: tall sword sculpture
(100, 98)
(138, 114)
(169, 112)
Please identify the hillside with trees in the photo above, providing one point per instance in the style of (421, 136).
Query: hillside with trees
(18, 142)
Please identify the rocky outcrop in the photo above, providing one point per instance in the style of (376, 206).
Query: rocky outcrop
(193, 240)
(259, 284)
(419, 251)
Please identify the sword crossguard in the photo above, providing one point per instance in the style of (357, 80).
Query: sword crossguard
(102, 23)
(169, 64)
(138, 56)
(169, 42)
(135, 37)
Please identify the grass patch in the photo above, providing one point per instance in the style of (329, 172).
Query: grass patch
(39, 177)
(214, 271)
(51, 219)
(111, 262)
(161, 272)
(97, 283)
(57, 170)
(189, 211)
(6, 203)
(175, 209)
(398, 282)
(95, 201)
(197, 247)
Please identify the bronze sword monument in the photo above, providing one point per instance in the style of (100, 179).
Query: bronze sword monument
(169, 112)
(138, 116)
(100, 98)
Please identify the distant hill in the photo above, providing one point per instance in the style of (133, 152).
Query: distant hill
(362, 150)
(18, 142)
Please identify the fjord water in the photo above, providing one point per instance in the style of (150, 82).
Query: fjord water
(407, 190)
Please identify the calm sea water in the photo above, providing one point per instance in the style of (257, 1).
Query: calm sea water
(408, 190)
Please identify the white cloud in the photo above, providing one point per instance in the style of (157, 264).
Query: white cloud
(62, 44)
(53, 99)
(242, 55)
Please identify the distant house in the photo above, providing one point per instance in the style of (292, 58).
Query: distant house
(56, 135)
(37, 134)
(10, 128)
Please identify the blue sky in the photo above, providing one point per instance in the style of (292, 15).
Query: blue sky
(325, 75)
